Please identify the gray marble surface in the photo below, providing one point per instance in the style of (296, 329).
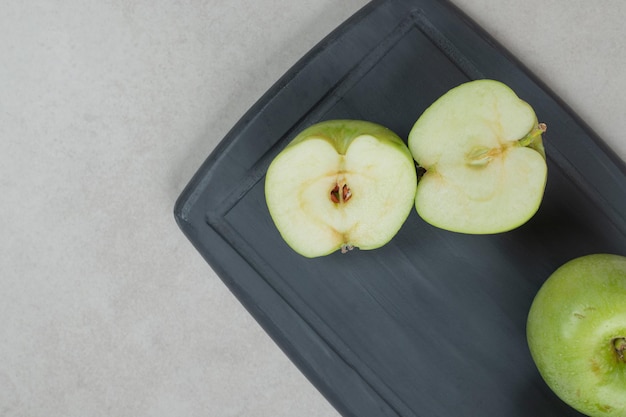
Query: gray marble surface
(106, 110)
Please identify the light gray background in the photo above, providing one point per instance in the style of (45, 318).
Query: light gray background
(106, 110)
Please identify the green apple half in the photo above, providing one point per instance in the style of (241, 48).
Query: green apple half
(481, 149)
(341, 184)
(576, 333)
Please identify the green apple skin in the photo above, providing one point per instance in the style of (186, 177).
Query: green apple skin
(481, 148)
(576, 333)
(370, 160)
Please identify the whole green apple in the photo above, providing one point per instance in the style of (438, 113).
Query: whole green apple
(341, 184)
(481, 148)
(576, 333)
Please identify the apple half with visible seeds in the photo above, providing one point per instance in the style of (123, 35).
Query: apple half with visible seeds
(341, 184)
(481, 148)
(576, 333)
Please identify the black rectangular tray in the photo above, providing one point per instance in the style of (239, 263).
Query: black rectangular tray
(432, 324)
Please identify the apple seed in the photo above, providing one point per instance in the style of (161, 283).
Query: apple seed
(340, 197)
(481, 155)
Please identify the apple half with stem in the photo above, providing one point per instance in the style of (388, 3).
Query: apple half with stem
(485, 169)
(341, 184)
(576, 333)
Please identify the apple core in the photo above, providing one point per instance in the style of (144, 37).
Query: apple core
(481, 155)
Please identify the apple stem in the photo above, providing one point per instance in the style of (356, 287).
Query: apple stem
(533, 135)
(619, 344)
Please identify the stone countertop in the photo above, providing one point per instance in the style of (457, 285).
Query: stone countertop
(106, 110)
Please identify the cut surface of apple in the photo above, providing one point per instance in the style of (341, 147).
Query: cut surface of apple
(576, 334)
(341, 184)
(481, 148)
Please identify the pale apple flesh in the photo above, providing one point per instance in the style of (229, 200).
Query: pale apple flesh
(576, 333)
(481, 149)
(341, 184)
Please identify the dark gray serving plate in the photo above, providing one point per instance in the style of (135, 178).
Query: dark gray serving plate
(432, 324)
